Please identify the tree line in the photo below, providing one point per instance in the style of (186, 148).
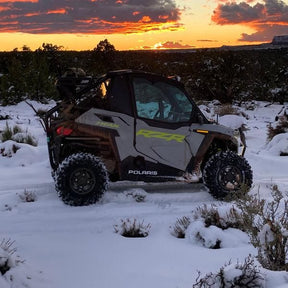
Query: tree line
(226, 75)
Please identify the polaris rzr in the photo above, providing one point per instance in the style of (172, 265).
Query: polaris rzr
(137, 126)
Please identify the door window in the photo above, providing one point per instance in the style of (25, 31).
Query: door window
(161, 101)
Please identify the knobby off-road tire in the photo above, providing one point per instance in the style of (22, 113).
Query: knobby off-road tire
(81, 179)
(226, 173)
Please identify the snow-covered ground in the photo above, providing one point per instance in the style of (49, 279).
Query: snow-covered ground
(74, 247)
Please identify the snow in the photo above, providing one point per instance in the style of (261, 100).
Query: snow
(63, 246)
(279, 144)
(232, 121)
(209, 236)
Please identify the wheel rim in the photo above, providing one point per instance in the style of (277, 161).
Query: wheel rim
(82, 181)
(230, 178)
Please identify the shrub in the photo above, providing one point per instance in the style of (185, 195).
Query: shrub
(9, 151)
(224, 220)
(16, 134)
(245, 274)
(226, 109)
(139, 195)
(131, 228)
(180, 227)
(7, 133)
(280, 127)
(6, 252)
(267, 224)
(28, 196)
(6, 117)
(16, 129)
(209, 223)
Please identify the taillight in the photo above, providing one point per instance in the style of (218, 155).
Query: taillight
(64, 131)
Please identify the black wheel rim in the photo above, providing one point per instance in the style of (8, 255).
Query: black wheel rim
(82, 181)
(230, 178)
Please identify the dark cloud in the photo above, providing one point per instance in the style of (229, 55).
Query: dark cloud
(233, 13)
(265, 35)
(88, 16)
(268, 18)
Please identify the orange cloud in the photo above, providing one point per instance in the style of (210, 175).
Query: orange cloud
(163, 16)
(59, 11)
(28, 15)
(3, 9)
(145, 19)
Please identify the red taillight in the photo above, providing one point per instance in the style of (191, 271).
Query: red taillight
(64, 131)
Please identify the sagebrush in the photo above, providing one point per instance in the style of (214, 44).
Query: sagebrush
(212, 216)
(16, 134)
(179, 228)
(6, 251)
(279, 128)
(266, 223)
(132, 228)
(28, 196)
(246, 275)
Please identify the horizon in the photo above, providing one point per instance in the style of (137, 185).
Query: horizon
(131, 25)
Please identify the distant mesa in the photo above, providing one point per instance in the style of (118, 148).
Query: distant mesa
(280, 40)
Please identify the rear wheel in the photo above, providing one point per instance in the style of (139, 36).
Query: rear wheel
(81, 179)
(226, 173)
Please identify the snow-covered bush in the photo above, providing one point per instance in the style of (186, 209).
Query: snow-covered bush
(266, 223)
(14, 272)
(7, 133)
(6, 253)
(226, 109)
(245, 274)
(223, 217)
(132, 228)
(24, 137)
(216, 227)
(213, 237)
(278, 146)
(4, 117)
(139, 195)
(28, 196)
(8, 262)
(179, 228)
(281, 126)
(16, 134)
(8, 149)
(248, 105)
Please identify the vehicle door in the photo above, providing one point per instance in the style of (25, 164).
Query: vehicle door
(163, 114)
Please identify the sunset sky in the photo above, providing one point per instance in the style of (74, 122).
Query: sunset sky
(140, 24)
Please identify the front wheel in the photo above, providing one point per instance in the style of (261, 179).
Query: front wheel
(81, 179)
(226, 173)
